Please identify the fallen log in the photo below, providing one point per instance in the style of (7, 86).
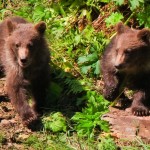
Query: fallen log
(124, 125)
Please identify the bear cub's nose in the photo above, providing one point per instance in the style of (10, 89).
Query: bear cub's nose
(118, 66)
(24, 60)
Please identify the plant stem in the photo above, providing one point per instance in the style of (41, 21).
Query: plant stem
(126, 22)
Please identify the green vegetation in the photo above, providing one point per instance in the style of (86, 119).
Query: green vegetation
(77, 32)
(2, 139)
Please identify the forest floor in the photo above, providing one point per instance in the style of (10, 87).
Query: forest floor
(12, 131)
(123, 125)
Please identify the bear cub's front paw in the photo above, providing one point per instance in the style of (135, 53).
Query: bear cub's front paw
(30, 119)
(140, 110)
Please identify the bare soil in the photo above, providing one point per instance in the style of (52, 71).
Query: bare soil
(12, 131)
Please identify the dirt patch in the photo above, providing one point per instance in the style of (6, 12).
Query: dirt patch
(12, 131)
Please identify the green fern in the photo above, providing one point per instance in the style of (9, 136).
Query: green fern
(74, 86)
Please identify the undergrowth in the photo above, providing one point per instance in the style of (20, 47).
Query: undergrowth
(77, 32)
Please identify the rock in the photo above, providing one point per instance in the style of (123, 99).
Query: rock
(7, 123)
(23, 136)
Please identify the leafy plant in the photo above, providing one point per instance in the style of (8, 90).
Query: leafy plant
(90, 118)
(139, 10)
(134, 4)
(2, 139)
(34, 142)
(144, 16)
(113, 19)
(107, 143)
(55, 122)
(119, 2)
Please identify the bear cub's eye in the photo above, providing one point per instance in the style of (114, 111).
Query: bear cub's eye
(30, 45)
(17, 45)
(127, 51)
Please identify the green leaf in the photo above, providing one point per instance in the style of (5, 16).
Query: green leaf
(113, 19)
(55, 122)
(88, 32)
(92, 57)
(135, 3)
(89, 58)
(82, 59)
(85, 69)
(97, 68)
(144, 17)
(104, 125)
(107, 143)
(105, 1)
(77, 39)
(38, 13)
(39, 8)
(86, 124)
(58, 126)
(119, 2)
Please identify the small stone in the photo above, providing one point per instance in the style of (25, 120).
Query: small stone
(23, 136)
(5, 122)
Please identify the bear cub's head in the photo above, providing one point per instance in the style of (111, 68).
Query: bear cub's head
(132, 49)
(24, 41)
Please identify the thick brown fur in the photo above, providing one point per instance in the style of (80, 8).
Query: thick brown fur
(126, 63)
(25, 57)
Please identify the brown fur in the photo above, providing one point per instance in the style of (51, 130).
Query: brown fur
(126, 63)
(25, 58)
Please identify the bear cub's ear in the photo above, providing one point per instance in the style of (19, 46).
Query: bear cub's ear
(11, 26)
(40, 27)
(120, 28)
(144, 34)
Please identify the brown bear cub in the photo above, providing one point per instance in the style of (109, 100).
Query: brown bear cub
(126, 63)
(24, 56)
